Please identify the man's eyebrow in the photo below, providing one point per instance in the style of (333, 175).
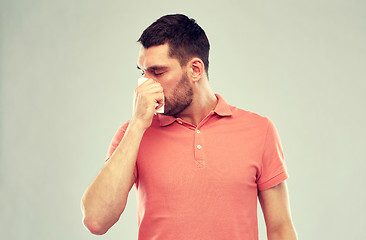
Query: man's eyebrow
(157, 67)
(153, 68)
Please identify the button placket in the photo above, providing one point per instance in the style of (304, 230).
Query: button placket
(199, 147)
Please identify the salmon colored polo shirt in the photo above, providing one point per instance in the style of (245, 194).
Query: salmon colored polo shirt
(197, 183)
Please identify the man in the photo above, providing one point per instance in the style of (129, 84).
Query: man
(199, 167)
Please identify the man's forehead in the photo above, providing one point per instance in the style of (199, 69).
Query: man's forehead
(154, 56)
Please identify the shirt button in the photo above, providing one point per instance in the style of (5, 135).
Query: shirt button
(198, 131)
(199, 146)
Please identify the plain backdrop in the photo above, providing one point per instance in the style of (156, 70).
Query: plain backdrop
(68, 71)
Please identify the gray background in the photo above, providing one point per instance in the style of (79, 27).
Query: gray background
(68, 70)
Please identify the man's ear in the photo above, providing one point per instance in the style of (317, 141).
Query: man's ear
(196, 69)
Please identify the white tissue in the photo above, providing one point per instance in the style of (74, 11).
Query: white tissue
(140, 81)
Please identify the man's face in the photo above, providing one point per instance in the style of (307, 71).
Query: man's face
(155, 63)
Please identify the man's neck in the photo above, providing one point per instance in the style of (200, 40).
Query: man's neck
(202, 104)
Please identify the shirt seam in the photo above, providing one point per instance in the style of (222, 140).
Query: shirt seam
(263, 148)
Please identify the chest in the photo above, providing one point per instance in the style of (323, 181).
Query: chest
(189, 160)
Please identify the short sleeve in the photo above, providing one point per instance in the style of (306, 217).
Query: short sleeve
(116, 141)
(273, 170)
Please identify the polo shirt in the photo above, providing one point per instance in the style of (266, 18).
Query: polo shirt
(201, 182)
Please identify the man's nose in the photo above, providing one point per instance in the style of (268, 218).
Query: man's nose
(147, 75)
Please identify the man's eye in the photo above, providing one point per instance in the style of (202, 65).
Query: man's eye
(158, 73)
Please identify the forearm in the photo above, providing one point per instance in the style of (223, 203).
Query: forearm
(106, 197)
(286, 232)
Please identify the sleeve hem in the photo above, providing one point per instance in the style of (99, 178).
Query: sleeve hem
(135, 172)
(282, 176)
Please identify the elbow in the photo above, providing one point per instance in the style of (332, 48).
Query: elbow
(98, 222)
(94, 226)
(91, 223)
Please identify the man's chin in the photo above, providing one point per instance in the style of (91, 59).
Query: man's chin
(170, 112)
(165, 113)
(174, 113)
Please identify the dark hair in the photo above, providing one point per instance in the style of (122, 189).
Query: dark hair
(185, 37)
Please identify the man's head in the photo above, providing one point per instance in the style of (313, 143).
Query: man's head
(155, 63)
(186, 39)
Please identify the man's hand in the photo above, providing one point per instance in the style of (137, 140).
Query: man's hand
(146, 96)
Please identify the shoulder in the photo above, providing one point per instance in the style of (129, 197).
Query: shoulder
(249, 117)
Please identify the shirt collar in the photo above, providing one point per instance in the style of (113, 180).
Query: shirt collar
(221, 109)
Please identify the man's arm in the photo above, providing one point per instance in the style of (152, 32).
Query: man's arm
(106, 197)
(276, 210)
